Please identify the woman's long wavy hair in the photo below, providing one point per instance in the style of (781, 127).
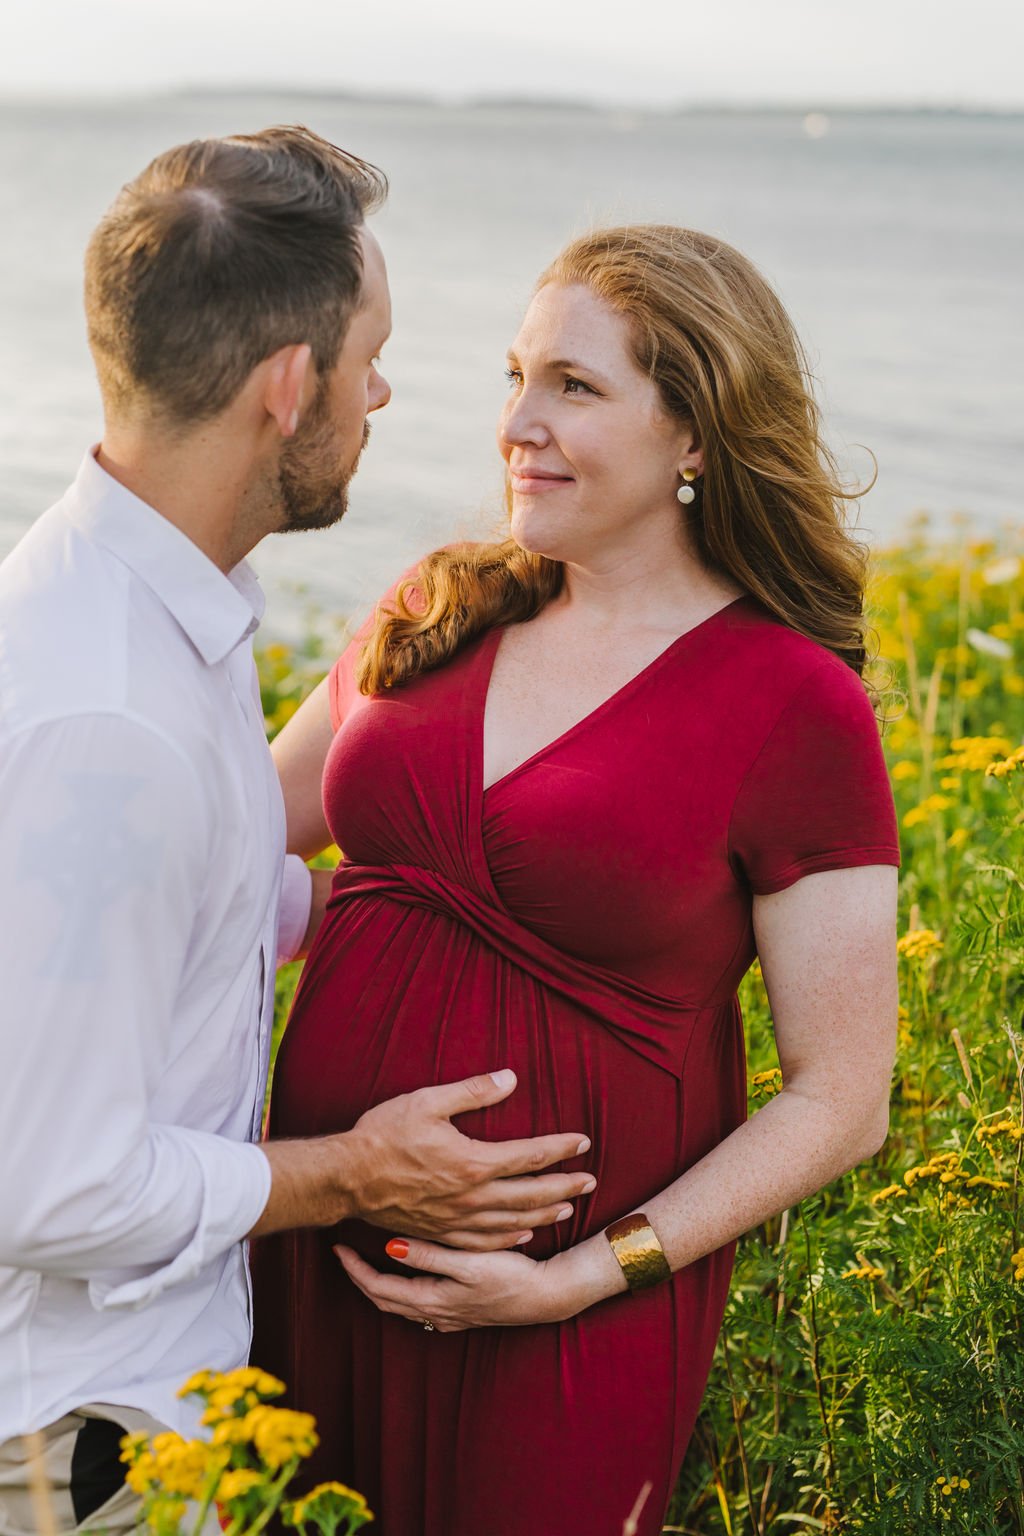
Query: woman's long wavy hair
(711, 334)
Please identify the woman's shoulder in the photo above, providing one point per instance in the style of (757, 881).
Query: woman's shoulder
(769, 657)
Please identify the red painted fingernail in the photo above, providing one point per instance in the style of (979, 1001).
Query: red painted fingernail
(398, 1248)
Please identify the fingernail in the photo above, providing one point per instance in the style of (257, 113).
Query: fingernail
(398, 1248)
(293, 421)
(524, 1239)
(504, 1079)
(564, 1213)
(589, 1187)
(584, 1146)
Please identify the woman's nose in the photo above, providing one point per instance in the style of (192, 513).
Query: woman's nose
(521, 422)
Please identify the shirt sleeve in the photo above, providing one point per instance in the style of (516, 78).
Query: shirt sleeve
(296, 901)
(103, 863)
(817, 796)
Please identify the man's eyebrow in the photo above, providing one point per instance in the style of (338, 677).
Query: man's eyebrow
(563, 365)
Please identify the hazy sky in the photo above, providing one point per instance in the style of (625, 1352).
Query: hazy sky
(655, 52)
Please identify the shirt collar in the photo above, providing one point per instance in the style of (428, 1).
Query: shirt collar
(216, 611)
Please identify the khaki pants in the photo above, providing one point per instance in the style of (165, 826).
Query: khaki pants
(119, 1514)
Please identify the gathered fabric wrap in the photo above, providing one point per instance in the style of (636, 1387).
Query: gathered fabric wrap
(658, 1027)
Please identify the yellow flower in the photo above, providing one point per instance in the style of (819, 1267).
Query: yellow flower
(253, 1379)
(890, 1191)
(133, 1446)
(957, 837)
(974, 753)
(183, 1466)
(918, 944)
(944, 1166)
(1008, 765)
(863, 1272)
(1017, 1260)
(280, 1434)
(1004, 1127)
(236, 1484)
(142, 1474)
(353, 1503)
(949, 783)
(199, 1383)
(970, 687)
(906, 769)
(979, 1181)
(931, 806)
(765, 1085)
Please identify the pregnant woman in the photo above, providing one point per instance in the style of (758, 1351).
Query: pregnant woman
(581, 777)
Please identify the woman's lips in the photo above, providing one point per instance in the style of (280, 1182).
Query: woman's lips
(535, 481)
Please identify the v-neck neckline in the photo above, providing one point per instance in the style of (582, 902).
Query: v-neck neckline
(592, 715)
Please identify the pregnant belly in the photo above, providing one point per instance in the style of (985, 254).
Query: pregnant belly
(397, 997)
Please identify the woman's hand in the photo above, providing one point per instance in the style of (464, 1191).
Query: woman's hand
(485, 1290)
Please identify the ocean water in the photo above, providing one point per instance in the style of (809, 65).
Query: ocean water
(896, 240)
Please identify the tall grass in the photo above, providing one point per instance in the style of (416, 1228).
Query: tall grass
(870, 1374)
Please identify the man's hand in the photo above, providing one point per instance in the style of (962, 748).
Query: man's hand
(404, 1166)
(414, 1173)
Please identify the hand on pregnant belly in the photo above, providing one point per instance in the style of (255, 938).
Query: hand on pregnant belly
(487, 1290)
(414, 1172)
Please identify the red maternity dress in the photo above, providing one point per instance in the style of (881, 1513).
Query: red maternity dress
(585, 921)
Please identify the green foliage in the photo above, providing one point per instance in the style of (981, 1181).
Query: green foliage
(870, 1377)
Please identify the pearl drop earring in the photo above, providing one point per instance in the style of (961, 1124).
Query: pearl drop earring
(686, 492)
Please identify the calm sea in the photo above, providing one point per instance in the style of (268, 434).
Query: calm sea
(897, 241)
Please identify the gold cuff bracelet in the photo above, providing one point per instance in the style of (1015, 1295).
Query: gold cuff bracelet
(635, 1244)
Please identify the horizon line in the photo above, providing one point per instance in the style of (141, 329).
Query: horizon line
(444, 101)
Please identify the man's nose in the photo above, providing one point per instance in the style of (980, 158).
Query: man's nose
(381, 394)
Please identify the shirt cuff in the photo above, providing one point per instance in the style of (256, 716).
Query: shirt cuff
(236, 1182)
(296, 902)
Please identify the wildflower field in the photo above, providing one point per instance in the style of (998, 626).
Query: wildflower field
(870, 1374)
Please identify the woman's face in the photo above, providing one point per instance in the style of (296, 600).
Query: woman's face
(594, 460)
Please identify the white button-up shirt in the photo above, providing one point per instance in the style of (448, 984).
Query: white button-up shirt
(142, 869)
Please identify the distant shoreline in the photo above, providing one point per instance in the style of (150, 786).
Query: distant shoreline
(525, 104)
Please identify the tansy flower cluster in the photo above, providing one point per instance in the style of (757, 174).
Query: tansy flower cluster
(863, 1272)
(918, 944)
(890, 1192)
(765, 1085)
(1005, 1127)
(1017, 1260)
(974, 754)
(947, 1168)
(244, 1468)
(947, 1485)
(1006, 765)
(931, 806)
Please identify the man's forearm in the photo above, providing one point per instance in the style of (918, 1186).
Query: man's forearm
(311, 1184)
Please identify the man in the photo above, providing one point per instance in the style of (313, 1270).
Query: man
(237, 306)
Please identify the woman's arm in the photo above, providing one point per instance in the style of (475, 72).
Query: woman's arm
(299, 752)
(828, 953)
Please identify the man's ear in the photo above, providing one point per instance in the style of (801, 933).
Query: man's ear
(290, 380)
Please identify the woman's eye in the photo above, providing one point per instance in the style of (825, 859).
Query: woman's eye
(514, 377)
(576, 386)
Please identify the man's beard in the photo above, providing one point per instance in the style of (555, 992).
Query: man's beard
(312, 485)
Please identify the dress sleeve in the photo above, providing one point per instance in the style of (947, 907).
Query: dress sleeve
(342, 690)
(817, 796)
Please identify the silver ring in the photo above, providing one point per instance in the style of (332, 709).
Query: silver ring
(428, 1325)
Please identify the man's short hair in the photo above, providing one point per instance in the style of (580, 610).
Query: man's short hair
(217, 254)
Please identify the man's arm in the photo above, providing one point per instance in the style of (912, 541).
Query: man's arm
(404, 1166)
(104, 853)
